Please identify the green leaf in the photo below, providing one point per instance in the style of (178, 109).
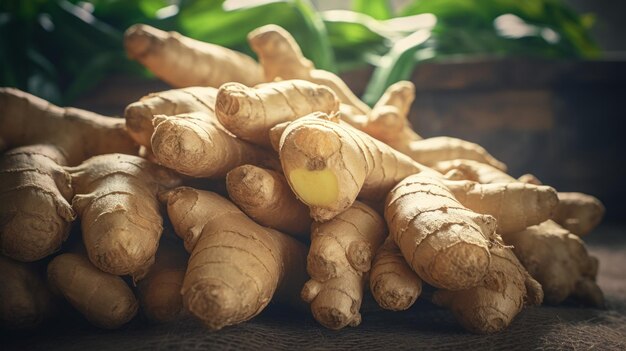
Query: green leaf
(378, 9)
(397, 65)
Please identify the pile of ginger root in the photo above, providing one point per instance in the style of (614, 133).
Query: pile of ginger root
(252, 182)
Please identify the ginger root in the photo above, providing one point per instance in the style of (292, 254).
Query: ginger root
(327, 164)
(281, 58)
(159, 291)
(104, 299)
(559, 261)
(445, 243)
(236, 265)
(34, 190)
(265, 196)
(515, 206)
(249, 113)
(554, 257)
(493, 304)
(339, 258)
(579, 213)
(140, 114)
(184, 62)
(196, 144)
(392, 282)
(25, 300)
(119, 210)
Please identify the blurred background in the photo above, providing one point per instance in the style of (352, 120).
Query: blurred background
(541, 84)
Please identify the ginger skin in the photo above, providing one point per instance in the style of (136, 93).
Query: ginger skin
(184, 62)
(265, 196)
(25, 300)
(236, 266)
(392, 282)
(339, 258)
(327, 164)
(281, 58)
(196, 144)
(579, 213)
(140, 114)
(249, 113)
(159, 292)
(557, 259)
(104, 299)
(116, 199)
(492, 305)
(445, 243)
(34, 190)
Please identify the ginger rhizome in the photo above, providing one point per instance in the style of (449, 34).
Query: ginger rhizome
(140, 114)
(327, 164)
(392, 282)
(281, 58)
(445, 243)
(559, 261)
(515, 206)
(499, 297)
(25, 300)
(339, 258)
(265, 196)
(103, 298)
(34, 190)
(236, 266)
(196, 144)
(249, 113)
(159, 291)
(116, 199)
(553, 256)
(184, 62)
(579, 213)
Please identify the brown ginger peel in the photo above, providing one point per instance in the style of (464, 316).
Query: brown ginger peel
(445, 243)
(236, 266)
(265, 196)
(185, 62)
(249, 113)
(119, 210)
(104, 299)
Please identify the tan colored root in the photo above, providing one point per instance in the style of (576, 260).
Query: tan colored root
(140, 114)
(348, 242)
(265, 196)
(559, 261)
(335, 303)
(327, 164)
(116, 199)
(276, 133)
(579, 213)
(78, 134)
(514, 205)
(392, 282)
(104, 299)
(249, 113)
(388, 120)
(529, 179)
(432, 150)
(493, 304)
(196, 144)
(35, 215)
(281, 58)
(339, 258)
(475, 171)
(25, 300)
(159, 292)
(236, 265)
(445, 243)
(185, 62)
